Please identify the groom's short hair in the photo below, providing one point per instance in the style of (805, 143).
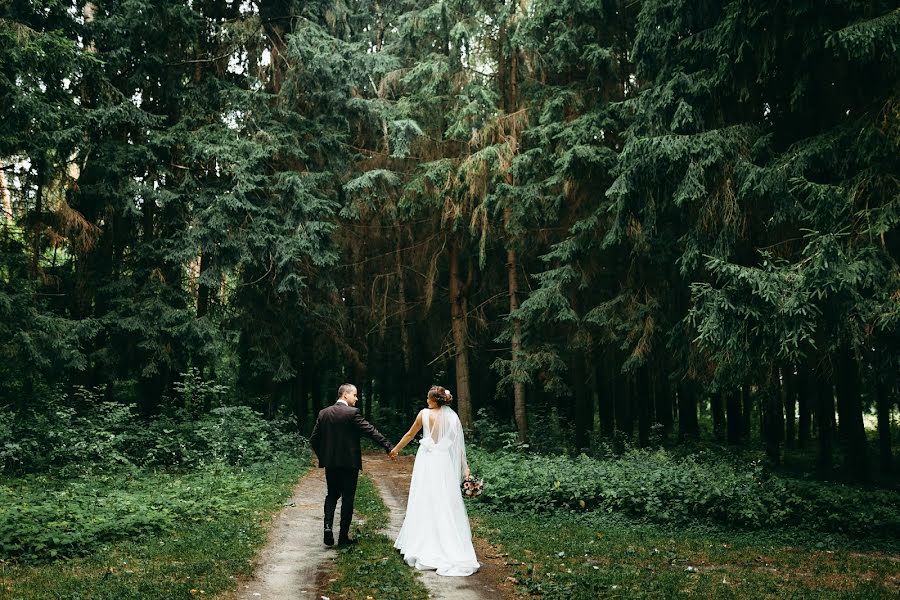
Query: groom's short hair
(345, 389)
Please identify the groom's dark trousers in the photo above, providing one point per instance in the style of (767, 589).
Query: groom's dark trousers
(335, 440)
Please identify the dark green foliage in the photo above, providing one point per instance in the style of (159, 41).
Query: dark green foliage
(84, 434)
(687, 201)
(659, 487)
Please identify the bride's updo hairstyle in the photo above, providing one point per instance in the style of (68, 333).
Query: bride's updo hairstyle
(440, 395)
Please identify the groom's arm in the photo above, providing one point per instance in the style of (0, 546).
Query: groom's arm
(315, 438)
(369, 429)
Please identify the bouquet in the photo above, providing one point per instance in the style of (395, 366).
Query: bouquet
(472, 487)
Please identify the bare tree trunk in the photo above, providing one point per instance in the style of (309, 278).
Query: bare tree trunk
(663, 396)
(459, 325)
(584, 405)
(203, 289)
(883, 403)
(405, 384)
(805, 403)
(773, 417)
(734, 416)
(789, 385)
(853, 432)
(36, 225)
(518, 386)
(7, 201)
(642, 393)
(824, 420)
(688, 425)
(604, 378)
(717, 407)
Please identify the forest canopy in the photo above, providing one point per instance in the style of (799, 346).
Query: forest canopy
(643, 221)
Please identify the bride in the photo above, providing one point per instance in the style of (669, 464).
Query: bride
(435, 533)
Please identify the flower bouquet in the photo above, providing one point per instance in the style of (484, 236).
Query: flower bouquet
(472, 487)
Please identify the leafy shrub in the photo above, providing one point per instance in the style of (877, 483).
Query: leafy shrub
(87, 434)
(659, 487)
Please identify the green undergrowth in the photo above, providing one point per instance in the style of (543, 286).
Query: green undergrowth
(139, 535)
(372, 569)
(566, 555)
(656, 486)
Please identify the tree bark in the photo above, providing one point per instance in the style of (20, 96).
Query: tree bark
(688, 425)
(824, 420)
(663, 397)
(518, 386)
(805, 403)
(883, 403)
(642, 393)
(851, 420)
(717, 408)
(735, 417)
(774, 419)
(584, 413)
(607, 408)
(789, 386)
(203, 290)
(459, 325)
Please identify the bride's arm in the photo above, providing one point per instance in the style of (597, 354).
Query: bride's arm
(416, 426)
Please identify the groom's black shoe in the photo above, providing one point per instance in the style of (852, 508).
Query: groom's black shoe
(329, 537)
(347, 541)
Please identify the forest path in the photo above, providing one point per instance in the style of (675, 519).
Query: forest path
(294, 555)
(392, 479)
(294, 563)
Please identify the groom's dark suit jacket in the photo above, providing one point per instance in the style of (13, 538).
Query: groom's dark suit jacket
(335, 438)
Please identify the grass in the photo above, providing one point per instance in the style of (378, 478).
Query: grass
(574, 556)
(372, 569)
(198, 555)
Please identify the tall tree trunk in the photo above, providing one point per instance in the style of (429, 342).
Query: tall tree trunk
(459, 325)
(747, 402)
(805, 403)
(203, 289)
(824, 420)
(663, 396)
(642, 393)
(584, 413)
(789, 385)
(405, 382)
(299, 390)
(734, 415)
(851, 420)
(518, 386)
(606, 387)
(773, 418)
(717, 408)
(7, 217)
(624, 422)
(688, 425)
(884, 404)
(37, 220)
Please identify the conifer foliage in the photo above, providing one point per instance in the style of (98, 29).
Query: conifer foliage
(649, 220)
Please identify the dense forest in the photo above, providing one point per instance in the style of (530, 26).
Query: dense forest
(637, 222)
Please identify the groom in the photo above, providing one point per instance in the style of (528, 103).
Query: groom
(335, 439)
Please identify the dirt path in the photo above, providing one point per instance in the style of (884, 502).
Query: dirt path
(294, 562)
(289, 562)
(392, 481)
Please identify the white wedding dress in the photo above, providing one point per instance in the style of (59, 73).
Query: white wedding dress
(435, 532)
